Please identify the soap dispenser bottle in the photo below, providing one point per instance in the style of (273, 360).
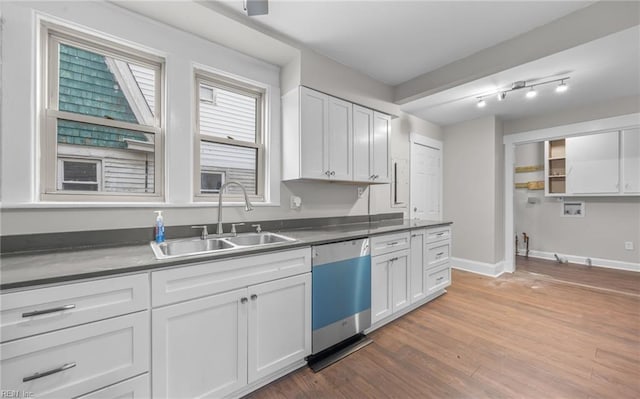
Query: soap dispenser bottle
(159, 228)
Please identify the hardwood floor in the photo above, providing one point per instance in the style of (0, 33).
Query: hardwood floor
(596, 277)
(517, 336)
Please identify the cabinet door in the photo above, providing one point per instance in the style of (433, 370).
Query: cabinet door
(314, 128)
(417, 259)
(380, 147)
(631, 161)
(362, 132)
(279, 324)
(380, 287)
(340, 133)
(200, 347)
(400, 274)
(593, 164)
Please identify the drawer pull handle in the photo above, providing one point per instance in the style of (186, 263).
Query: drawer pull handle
(254, 297)
(392, 243)
(46, 311)
(440, 234)
(49, 372)
(393, 259)
(440, 279)
(439, 254)
(243, 300)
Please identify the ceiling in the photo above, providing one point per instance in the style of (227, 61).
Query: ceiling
(397, 41)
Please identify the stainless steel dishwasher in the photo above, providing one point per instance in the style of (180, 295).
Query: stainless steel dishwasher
(341, 300)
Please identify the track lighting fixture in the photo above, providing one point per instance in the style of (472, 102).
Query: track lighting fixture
(562, 87)
(532, 93)
(501, 94)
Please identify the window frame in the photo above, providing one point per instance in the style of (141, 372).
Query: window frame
(216, 80)
(51, 36)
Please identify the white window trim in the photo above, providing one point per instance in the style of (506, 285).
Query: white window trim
(241, 87)
(51, 34)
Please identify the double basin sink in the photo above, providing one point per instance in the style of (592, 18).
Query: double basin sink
(199, 246)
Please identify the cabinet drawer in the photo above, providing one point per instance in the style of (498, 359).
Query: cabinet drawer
(438, 253)
(135, 388)
(77, 360)
(389, 243)
(437, 278)
(438, 234)
(198, 280)
(40, 310)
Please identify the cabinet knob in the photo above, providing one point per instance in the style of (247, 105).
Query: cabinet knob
(243, 300)
(333, 172)
(254, 297)
(327, 173)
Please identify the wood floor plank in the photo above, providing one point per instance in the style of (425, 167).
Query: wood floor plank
(522, 335)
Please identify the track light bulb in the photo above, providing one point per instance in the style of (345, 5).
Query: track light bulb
(481, 103)
(502, 95)
(532, 93)
(562, 87)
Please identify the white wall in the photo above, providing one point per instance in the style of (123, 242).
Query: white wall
(23, 214)
(472, 189)
(601, 233)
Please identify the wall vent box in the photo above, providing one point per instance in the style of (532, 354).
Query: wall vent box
(573, 209)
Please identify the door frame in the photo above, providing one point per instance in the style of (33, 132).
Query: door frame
(419, 139)
(511, 140)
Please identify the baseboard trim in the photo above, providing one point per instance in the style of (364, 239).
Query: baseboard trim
(582, 260)
(486, 269)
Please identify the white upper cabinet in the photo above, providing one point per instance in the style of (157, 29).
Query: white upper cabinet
(340, 139)
(593, 164)
(362, 133)
(601, 164)
(379, 148)
(631, 161)
(326, 138)
(314, 138)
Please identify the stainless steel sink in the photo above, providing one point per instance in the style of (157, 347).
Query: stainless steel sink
(253, 239)
(197, 246)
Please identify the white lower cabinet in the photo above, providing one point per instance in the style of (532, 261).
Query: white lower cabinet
(200, 347)
(389, 284)
(215, 346)
(73, 361)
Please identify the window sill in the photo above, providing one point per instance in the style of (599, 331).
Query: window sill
(120, 205)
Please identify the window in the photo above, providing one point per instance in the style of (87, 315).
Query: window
(79, 174)
(229, 136)
(102, 124)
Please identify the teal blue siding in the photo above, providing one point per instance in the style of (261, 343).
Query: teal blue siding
(88, 87)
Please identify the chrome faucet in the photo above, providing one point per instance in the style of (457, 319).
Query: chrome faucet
(247, 204)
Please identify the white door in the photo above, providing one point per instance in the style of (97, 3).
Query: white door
(313, 134)
(592, 163)
(400, 275)
(279, 324)
(418, 242)
(631, 161)
(426, 179)
(380, 287)
(200, 347)
(362, 131)
(340, 139)
(379, 148)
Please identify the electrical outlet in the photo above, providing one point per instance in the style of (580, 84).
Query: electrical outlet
(628, 245)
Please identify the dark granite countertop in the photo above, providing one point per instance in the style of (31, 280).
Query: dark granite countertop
(32, 269)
